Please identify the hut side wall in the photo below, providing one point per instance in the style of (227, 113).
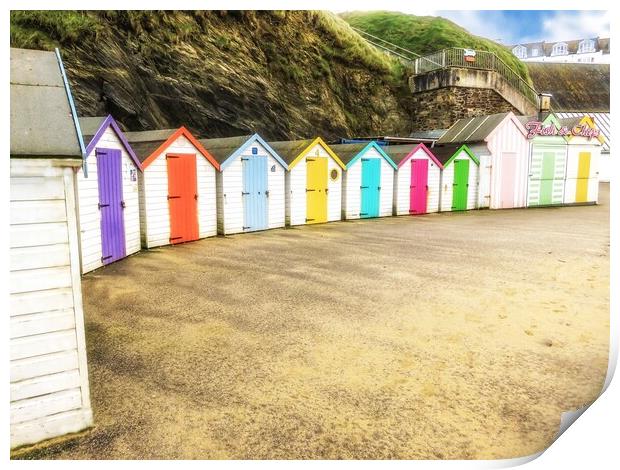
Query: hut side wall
(403, 183)
(447, 179)
(231, 213)
(89, 213)
(509, 139)
(297, 183)
(156, 214)
(48, 373)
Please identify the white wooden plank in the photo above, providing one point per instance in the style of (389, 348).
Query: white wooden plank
(39, 323)
(30, 346)
(30, 280)
(44, 385)
(37, 212)
(30, 432)
(42, 301)
(34, 408)
(33, 257)
(38, 234)
(37, 366)
(34, 188)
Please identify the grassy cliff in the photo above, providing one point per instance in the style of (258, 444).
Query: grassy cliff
(282, 74)
(427, 34)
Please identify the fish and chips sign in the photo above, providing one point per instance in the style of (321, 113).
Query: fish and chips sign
(537, 128)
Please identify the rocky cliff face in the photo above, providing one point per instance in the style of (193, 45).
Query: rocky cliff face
(282, 74)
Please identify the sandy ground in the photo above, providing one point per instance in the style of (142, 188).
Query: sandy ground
(443, 336)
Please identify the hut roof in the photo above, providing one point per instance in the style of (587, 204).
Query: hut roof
(90, 125)
(289, 150)
(474, 129)
(223, 148)
(445, 152)
(348, 152)
(601, 120)
(144, 143)
(41, 121)
(399, 152)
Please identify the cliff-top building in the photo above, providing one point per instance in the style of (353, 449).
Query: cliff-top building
(589, 51)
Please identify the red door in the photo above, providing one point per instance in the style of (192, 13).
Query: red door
(182, 197)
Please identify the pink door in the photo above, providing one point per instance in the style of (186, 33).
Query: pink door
(418, 188)
(507, 189)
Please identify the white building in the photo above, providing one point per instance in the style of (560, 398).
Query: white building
(585, 51)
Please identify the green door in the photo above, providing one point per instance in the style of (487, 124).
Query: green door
(546, 178)
(460, 185)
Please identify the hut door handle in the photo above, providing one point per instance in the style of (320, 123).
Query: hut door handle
(123, 204)
(267, 193)
(363, 187)
(379, 188)
(308, 190)
(244, 194)
(173, 197)
(196, 197)
(102, 205)
(103, 258)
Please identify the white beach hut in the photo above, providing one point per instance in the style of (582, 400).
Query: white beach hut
(177, 187)
(250, 185)
(313, 182)
(49, 392)
(108, 202)
(368, 180)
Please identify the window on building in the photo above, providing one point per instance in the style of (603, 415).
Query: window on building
(535, 52)
(520, 51)
(587, 45)
(561, 48)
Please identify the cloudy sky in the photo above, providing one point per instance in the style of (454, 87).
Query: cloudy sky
(514, 26)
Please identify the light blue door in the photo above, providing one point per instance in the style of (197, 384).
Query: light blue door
(255, 192)
(371, 187)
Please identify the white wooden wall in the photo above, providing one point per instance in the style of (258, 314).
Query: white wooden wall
(89, 213)
(509, 138)
(484, 180)
(403, 184)
(353, 180)
(447, 179)
(155, 213)
(577, 145)
(296, 189)
(230, 187)
(48, 372)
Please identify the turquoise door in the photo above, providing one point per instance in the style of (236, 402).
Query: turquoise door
(255, 193)
(371, 187)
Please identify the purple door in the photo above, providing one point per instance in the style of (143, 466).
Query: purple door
(111, 205)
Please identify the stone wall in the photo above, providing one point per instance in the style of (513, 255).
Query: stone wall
(441, 107)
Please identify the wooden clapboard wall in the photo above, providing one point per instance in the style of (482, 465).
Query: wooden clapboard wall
(48, 372)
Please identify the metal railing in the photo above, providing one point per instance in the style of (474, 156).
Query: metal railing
(483, 60)
(390, 48)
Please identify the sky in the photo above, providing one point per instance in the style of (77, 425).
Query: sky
(520, 26)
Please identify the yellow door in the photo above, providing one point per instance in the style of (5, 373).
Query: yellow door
(583, 177)
(316, 190)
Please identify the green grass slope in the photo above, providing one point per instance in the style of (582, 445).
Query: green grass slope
(427, 34)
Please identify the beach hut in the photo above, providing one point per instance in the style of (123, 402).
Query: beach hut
(49, 392)
(548, 154)
(250, 186)
(368, 180)
(108, 203)
(584, 145)
(459, 177)
(313, 182)
(499, 141)
(418, 178)
(176, 187)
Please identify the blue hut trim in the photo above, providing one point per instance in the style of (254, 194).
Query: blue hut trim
(373, 144)
(250, 141)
